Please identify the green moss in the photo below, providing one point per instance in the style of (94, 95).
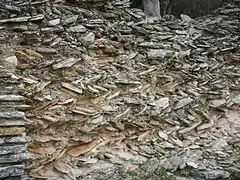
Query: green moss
(139, 175)
(132, 173)
(163, 175)
(11, 131)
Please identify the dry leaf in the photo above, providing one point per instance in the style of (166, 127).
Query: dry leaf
(81, 149)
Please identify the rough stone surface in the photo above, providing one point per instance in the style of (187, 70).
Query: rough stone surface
(112, 93)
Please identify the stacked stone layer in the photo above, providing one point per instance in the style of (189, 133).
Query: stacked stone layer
(13, 153)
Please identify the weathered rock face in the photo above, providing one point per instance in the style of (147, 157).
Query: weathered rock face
(151, 7)
(112, 91)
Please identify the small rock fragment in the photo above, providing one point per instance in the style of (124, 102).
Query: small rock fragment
(161, 103)
(12, 60)
(54, 22)
(70, 20)
(163, 135)
(217, 102)
(77, 29)
(46, 50)
(183, 102)
(65, 63)
(89, 38)
(71, 87)
(20, 28)
(236, 100)
(159, 53)
(185, 18)
(192, 164)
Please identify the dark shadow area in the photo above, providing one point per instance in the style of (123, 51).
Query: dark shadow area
(193, 8)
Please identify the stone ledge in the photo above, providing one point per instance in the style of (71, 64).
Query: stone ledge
(12, 170)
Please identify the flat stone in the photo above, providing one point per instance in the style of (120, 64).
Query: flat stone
(12, 60)
(12, 149)
(11, 131)
(46, 50)
(159, 53)
(212, 174)
(236, 100)
(185, 18)
(69, 20)
(65, 63)
(12, 115)
(13, 158)
(14, 140)
(12, 122)
(23, 19)
(161, 103)
(89, 38)
(192, 164)
(183, 102)
(20, 28)
(12, 170)
(217, 102)
(12, 8)
(54, 22)
(182, 54)
(12, 98)
(77, 29)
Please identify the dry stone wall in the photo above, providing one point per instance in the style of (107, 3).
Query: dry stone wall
(117, 93)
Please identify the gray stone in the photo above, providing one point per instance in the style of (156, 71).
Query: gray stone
(11, 170)
(20, 28)
(13, 158)
(212, 174)
(46, 50)
(77, 29)
(192, 164)
(185, 18)
(217, 102)
(159, 53)
(89, 38)
(53, 22)
(236, 100)
(12, 149)
(23, 19)
(12, 115)
(12, 60)
(70, 20)
(183, 102)
(14, 140)
(12, 122)
(65, 63)
(12, 98)
(162, 103)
